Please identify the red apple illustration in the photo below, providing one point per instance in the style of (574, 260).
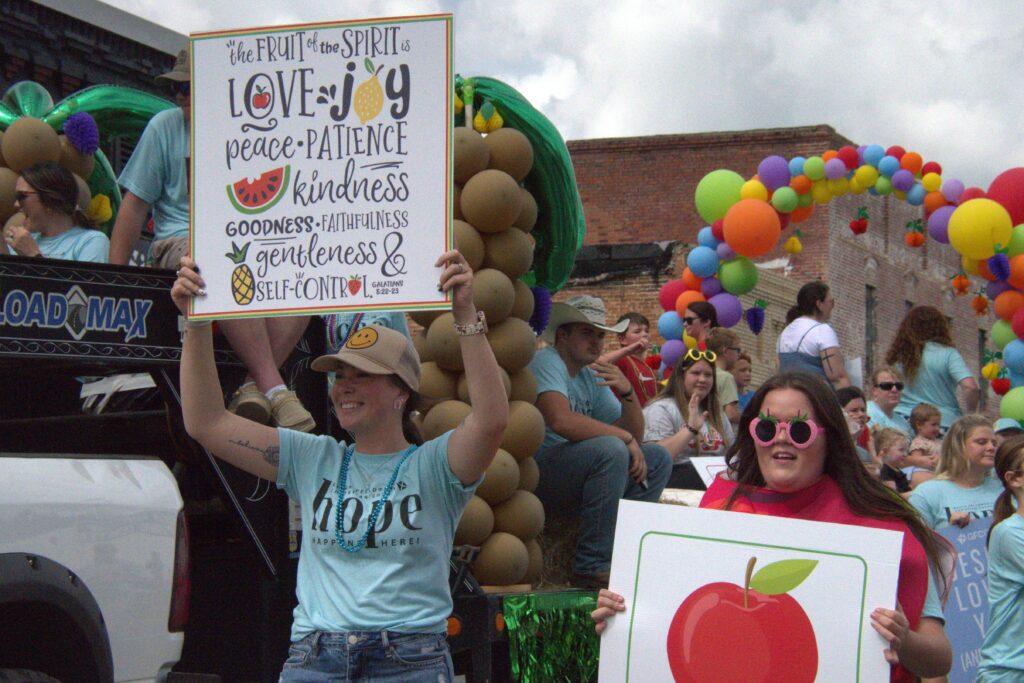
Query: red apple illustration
(724, 632)
(261, 99)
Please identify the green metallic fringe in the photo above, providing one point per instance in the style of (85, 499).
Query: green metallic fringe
(551, 636)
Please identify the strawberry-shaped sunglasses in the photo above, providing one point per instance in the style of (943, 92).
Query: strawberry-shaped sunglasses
(801, 430)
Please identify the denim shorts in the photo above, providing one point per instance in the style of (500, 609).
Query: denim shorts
(369, 656)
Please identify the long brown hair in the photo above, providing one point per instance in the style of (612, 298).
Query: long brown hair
(676, 390)
(57, 190)
(920, 325)
(410, 431)
(1009, 458)
(807, 300)
(865, 495)
(952, 464)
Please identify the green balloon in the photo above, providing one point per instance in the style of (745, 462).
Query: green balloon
(1012, 405)
(738, 276)
(805, 199)
(29, 98)
(785, 199)
(1016, 245)
(883, 185)
(716, 192)
(814, 168)
(1002, 334)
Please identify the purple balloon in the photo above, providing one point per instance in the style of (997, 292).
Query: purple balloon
(835, 168)
(938, 223)
(728, 307)
(773, 172)
(725, 252)
(952, 189)
(902, 180)
(710, 286)
(860, 154)
(994, 289)
(671, 351)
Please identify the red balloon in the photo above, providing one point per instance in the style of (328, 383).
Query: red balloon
(670, 291)
(971, 193)
(895, 151)
(1017, 323)
(1008, 190)
(849, 156)
(718, 230)
(783, 219)
(931, 167)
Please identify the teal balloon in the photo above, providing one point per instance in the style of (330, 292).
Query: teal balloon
(1012, 405)
(716, 193)
(1016, 245)
(1002, 334)
(738, 276)
(785, 199)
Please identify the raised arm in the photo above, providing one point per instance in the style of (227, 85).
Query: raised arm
(127, 228)
(472, 446)
(247, 445)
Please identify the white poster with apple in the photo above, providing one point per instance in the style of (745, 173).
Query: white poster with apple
(708, 467)
(723, 596)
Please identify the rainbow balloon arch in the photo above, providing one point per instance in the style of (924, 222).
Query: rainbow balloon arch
(745, 219)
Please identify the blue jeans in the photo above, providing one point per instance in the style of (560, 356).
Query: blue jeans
(589, 477)
(369, 656)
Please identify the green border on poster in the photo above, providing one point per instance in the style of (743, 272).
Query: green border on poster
(636, 579)
(448, 20)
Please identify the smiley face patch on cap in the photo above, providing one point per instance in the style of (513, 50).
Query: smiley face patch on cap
(363, 339)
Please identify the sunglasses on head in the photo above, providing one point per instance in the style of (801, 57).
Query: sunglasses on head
(889, 386)
(801, 430)
(180, 87)
(695, 355)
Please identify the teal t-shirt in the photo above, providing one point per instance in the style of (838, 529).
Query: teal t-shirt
(156, 173)
(935, 499)
(879, 420)
(941, 369)
(399, 581)
(1002, 654)
(585, 395)
(76, 244)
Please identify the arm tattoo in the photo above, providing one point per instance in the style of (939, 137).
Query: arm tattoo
(272, 454)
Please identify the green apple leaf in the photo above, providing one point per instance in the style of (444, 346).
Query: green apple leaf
(782, 577)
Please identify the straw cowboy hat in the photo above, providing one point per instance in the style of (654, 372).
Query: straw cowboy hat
(580, 309)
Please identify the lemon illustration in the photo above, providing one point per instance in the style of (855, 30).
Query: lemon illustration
(459, 104)
(369, 98)
(495, 122)
(479, 123)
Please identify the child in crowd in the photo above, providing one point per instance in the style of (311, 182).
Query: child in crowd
(962, 489)
(926, 446)
(743, 372)
(891, 446)
(1002, 654)
(1007, 428)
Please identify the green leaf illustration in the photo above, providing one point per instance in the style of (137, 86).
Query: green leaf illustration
(782, 577)
(487, 111)
(368, 64)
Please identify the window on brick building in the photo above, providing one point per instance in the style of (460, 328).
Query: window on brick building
(870, 328)
(982, 340)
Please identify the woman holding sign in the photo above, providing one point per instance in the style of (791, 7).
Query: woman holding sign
(793, 457)
(381, 512)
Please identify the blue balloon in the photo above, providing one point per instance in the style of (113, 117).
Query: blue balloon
(888, 165)
(706, 238)
(670, 325)
(1016, 379)
(1013, 356)
(796, 166)
(915, 195)
(873, 154)
(702, 261)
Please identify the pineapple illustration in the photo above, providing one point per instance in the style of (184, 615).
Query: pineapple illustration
(241, 276)
(369, 97)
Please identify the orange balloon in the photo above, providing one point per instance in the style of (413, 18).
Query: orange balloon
(1007, 303)
(983, 270)
(1016, 278)
(829, 155)
(684, 300)
(801, 213)
(932, 201)
(690, 280)
(751, 227)
(801, 183)
(912, 161)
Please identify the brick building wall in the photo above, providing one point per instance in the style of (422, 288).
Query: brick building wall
(640, 191)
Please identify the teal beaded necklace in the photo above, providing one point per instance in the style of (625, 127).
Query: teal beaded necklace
(371, 523)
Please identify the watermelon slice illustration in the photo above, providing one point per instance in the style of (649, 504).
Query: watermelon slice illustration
(262, 193)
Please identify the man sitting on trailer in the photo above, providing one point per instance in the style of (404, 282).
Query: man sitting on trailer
(592, 453)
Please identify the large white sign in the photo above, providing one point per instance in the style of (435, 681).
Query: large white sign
(321, 165)
(713, 595)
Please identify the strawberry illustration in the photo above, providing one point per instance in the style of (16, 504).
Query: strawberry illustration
(859, 225)
(261, 100)
(354, 283)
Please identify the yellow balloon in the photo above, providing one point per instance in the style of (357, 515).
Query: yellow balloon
(856, 187)
(866, 175)
(839, 186)
(969, 265)
(690, 342)
(899, 195)
(931, 182)
(977, 226)
(754, 189)
(820, 192)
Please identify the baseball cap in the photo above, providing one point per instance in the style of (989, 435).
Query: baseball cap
(1005, 423)
(378, 350)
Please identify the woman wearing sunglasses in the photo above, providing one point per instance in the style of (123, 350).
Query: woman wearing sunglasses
(54, 226)
(886, 391)
(685, 418)
(793, 457)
